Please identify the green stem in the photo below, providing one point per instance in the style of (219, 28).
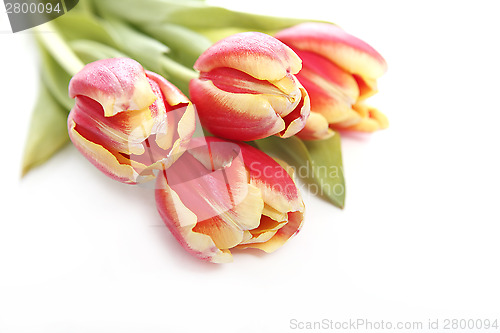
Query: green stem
(48, 35)
(177, 70)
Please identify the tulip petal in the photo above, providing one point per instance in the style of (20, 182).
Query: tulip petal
(324, 103)
(218, 214)
(316, 128)
(236, 106)
(277, 187)
(178, 113)
(226, 229)
(367, 87)
(102, 158)
(208, 193)
(142, 120)
(290, 94)
(273, 213)
(331, 89)
(295, 221)
(181, 221)
(185, 129)
(283, 95)
(371, 119)
(247, 214)
(296, 120)
(328, 76)
(234, 116)
(349, 52)
(118, 84)
(247, 90)
(197, 205)
(124, 132)
(172, 95)
(224, 234)
(215, 154)
(257, 54)
(265, 231)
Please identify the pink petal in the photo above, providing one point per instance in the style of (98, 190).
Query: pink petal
(118, 84)
(181, 221)
(234, 116)
(316, 128)
(257, 54)
(349, 52)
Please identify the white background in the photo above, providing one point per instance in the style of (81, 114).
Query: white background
(419, 237)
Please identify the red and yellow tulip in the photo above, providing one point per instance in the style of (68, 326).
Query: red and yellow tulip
(339, 72)
(128, 121)
(222, 195)
(247, 89)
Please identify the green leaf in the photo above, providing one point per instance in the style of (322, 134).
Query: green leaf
(47, 131)
(110, 37)
(150, 53)
(326, 156)
(84, 6)
(90, 51)
(317, 162)
(81, 25)
(215, 35)
(292, 150)
(56, 78)
(177, 74)
(58, 48)
(185, 45)
(146, 50)
(192, 14)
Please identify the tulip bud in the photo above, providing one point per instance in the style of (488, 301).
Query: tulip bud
(128, 121)
(221, 195)
(339, 71)
(247, 89)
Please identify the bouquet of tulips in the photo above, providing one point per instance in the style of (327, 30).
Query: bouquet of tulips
(194, 99)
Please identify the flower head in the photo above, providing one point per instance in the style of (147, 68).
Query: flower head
(247, 89)
(128, 121)
(222, 195)
(339, 72)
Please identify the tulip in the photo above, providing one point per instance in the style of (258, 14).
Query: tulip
(339, 72)
(126, 121)
(222, 195)
(247, 89)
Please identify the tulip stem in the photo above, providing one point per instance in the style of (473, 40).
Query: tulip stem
(177, 70)
(48, 35)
